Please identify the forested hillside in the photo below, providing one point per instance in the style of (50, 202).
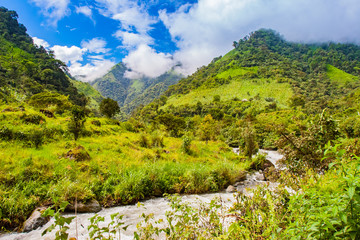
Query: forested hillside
(26, 69)
(131, 93)
(94, 97)
(315, 73)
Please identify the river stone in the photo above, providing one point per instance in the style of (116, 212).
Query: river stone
(259, 176)
(241, 176)
(92, 206)
(230, 189)
(35, 220)
(264, 165)
(271, 174)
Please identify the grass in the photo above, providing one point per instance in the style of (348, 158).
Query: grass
(120, 171)
(242, 89)
(234, 72)
(339, 76)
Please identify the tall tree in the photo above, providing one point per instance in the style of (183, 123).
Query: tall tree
(76, 124)
(109, 107)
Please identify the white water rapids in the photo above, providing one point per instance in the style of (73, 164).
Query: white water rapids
(132, 213)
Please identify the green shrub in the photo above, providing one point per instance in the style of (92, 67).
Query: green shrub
(36, 138)
(32, 118)
(157, 139)
(96, 123)
(144, 141)
(186, 143)
(6, 133)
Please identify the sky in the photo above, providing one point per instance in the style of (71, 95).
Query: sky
(154, 36)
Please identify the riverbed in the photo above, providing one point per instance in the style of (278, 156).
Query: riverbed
(132, 213)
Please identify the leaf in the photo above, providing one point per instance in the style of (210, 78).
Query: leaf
(351, 192)
(48, 212)
(63, 205)
(68, 220)
(332, 164)
(328, 223)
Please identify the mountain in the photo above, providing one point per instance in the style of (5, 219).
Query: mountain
(266, 69)
(26, 69)
(130, 93)
(91, 93)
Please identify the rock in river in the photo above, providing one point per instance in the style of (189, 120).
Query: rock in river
(35, 220)
(92, 206)
(230, 189)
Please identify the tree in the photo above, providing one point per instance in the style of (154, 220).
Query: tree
(174, 124)
(235, 44)
(109, 107)
(78, 118)
(207, 129)
(249, 136)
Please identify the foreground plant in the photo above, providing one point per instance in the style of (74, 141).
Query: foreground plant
(111, 231)
(60, 222)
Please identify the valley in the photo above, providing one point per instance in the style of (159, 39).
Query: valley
(119, 141)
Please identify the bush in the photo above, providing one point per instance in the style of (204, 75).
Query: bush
(32, 118)
(36, 138)
(185, 147)
(96, 123)
(6, 133)
(129, 127)
(144, 141)
(157, 140)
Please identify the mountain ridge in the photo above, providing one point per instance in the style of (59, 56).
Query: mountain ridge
(131, 93)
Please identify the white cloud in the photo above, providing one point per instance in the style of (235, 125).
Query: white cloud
(96, 65)
(41, 42)
(84, 10)
(207, 29)
(91, 71)
(68, 54)
(144, 60)
(135, 22)
(54, 10)
(133, 17)
(130, 40)
(95, 45)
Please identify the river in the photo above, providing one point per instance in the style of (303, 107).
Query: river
(132, 213)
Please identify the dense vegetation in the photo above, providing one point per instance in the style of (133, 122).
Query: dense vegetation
(91, 93)
(303, 100)
(131, 93)
(26, 69)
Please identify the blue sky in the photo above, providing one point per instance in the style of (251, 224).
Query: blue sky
(153, 36)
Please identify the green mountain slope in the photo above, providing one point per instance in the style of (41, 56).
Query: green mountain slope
(26, 69)
(265, 67)
(85, 88)
(130, 93)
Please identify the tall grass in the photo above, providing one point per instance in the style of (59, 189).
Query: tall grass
(120, 170)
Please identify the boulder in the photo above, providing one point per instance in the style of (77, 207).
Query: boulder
(230, 189)
(78, 154)
(91, 206)
(261, 166)
(259, 176)
(271, 174)
(35, 220)
(241, 176)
